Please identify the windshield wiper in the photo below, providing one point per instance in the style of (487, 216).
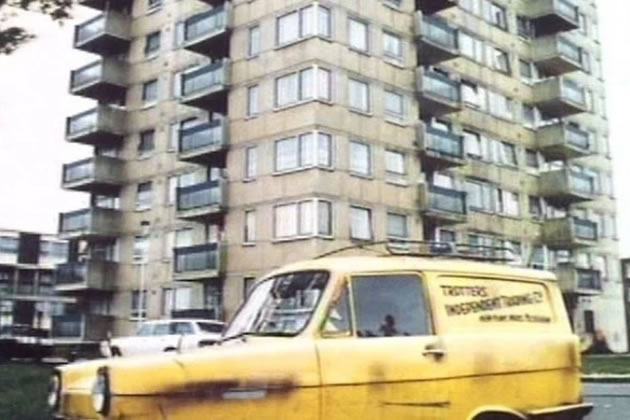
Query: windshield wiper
(257, 334)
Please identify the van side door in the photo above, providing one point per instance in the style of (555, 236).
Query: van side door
(379, 357)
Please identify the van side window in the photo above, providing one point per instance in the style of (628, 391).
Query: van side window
(338, 318)
(390, 305)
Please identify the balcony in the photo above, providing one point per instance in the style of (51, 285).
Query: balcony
(207, 87)
(75, 328)
(106, 4)
(205, 144)
(440, 149)
(555, 55)
(199, 262)
(442, 205)
(90, 275)
(552, 16)
(438, 94)
(103, 80)
(580, 281)
(204, 202)
(101, 126)
(93, 223)
(569, 232)
(562, 187)
(214, 3)
(99, 175)
(437, 40)
(209, 33)
(559, 97)
(106, 34)
(563, 141)
(429, 7)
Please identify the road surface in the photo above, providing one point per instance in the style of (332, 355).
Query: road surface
(612, 401)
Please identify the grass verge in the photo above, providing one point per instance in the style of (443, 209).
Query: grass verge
(612, 365)
(23, 389)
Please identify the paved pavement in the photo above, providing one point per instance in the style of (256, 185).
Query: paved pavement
(612, 401)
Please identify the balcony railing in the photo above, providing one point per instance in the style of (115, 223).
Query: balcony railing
(585, 229)
(440, 149)
(78, 171)
(581, 183)
(590, 280)
(444, 199)
(438, 94)
(91, 275)
(579, 280)
(555, 55)
(94, 172)
(552, 16)
(429, 7)
(198, 258)
(103, 80)
(80, 327)
(105, 34)
(563, 141)
(199, 143)
(438, 40)
(106, 4)
(559, 97)
(93, 222)
(563, 187)
(101, 126)
(206, 87)
(200, 195)
(208, 33)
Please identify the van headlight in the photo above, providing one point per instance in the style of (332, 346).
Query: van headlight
(101, 394)
(54, 391)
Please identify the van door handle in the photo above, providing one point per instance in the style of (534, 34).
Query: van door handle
(438, 352)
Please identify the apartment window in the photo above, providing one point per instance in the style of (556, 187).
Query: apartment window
(583, 23)
(447, 236)
(524, 27)
(395, 167)
(9, 245)
(481, 196)
(501, 60)
(253, 98)
(302, 23)
(589, 322)
(359, 95)
(498, 16)
(302, 219)
(152, 44)
(527, 71)
(531, 159)
(535, 207)
(358, 35)
(393, 3)
(138, 305)
(509, 202)
(249, 234)
(471, 47)
(473, 95)
(177, 299)
(472, 142)
(254, 41)
(150, 92)
(529, 116)
(303, 151)
(360, 158)
(248, 283)
(360, 223)
(506, 154)
(392, 46)
(251, 162)
(146, 144)
(394, 105)
(144, 195)
(397, 226)
(304, 85)
(500, 105)
(140, 248)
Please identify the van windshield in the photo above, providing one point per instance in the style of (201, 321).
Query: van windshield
(281, 305)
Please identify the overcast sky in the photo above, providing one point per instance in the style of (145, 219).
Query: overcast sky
(34, 102)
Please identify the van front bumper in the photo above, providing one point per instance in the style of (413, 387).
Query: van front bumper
(568, 412)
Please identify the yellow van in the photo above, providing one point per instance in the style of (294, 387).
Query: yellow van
(343, 338)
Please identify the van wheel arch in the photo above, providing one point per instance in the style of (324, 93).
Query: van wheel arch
(170, 349)
(497, 414)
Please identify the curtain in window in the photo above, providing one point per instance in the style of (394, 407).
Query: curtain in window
(324, 151)
(307, 84)
(324, 217)
(323, 84)
(307, 149)
(360, 223)
(323, 21)
(358, 35)
(307, 217)
(287, 154)
(287, 89)
(285, 221)
(360, 158)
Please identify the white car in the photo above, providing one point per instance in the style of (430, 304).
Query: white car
(165, 335)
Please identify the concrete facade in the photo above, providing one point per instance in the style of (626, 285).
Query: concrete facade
(470, 121)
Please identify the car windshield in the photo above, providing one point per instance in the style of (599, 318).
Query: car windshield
(280, 305)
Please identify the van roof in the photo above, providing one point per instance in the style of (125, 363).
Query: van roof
(401, 263)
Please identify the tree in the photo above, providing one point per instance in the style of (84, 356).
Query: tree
(11, 37)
